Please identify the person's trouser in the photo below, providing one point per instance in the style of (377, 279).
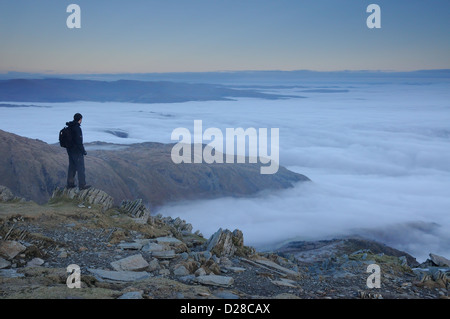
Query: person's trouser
(76, 165)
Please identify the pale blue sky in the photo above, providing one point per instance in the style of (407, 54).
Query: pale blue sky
(140, 36)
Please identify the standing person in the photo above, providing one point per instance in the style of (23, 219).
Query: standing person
(76, 154)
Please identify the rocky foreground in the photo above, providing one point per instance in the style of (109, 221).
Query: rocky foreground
(125, 252)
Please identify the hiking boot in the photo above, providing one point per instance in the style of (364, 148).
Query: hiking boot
(85, 187)
(70, 186)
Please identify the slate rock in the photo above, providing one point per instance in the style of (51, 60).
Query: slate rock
(10, 248)
(181, 271)
(271, 264)
(130, 263)
(225, 242)
(153, 265)
(165, 254)
(131, 295)
(134, 208)
(200, 272)
(236, 269)
(10, 273)
(5, 194)
(172, 242)
(215, 280)
(153, 247)
(4, 263)
(126, 276)
(130, 246)
(91, 196)
(35, 262)
(439, 260)
(226, 295)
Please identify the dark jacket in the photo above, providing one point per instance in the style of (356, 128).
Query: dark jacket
(77, 138)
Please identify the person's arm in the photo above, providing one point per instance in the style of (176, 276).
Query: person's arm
(78, 139)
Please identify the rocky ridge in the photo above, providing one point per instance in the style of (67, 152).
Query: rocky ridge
(125, 252)
(33, 169)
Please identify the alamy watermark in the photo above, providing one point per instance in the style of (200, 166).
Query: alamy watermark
(74, 19)
(374, 280)
(374, 19)
(257, 147)
(74, 278)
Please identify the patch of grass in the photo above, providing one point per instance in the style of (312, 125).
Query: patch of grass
(385, 261)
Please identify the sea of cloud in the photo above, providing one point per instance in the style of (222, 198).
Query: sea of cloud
(378, 156)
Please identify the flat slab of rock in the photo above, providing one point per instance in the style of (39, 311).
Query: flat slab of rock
(132, 295)
(226, 295)
(236, 269)
(10, 273)
(273, 265)
(130, 246)
(285, 283)
(131, 263)
(126, 276)
(215, 280)
(35, 262)
(153, 247)
(173, 243)
(168, 240)
(165, 254)
(10, 248)
(4, 263)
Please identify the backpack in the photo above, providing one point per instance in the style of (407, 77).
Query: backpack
(65, 137)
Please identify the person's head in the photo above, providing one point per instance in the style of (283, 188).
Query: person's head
(78, 117)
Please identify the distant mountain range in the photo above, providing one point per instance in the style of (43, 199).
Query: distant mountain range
(33, 169)
(191, 86)
(68, 90)
(232, 78)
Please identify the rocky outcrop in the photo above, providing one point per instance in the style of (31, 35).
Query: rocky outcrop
(180, 225)
(135, 209)
(7, 196)
(315, 251)
(227, 243)
(91, 196)
(439, 261)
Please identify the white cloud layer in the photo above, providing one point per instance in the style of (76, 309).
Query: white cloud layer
(378, 156)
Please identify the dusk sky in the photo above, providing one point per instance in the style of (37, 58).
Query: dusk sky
(143, 36)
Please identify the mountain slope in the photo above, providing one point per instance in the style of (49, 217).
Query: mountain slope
(32, 169)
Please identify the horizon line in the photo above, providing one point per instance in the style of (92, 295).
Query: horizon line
(230, 71)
